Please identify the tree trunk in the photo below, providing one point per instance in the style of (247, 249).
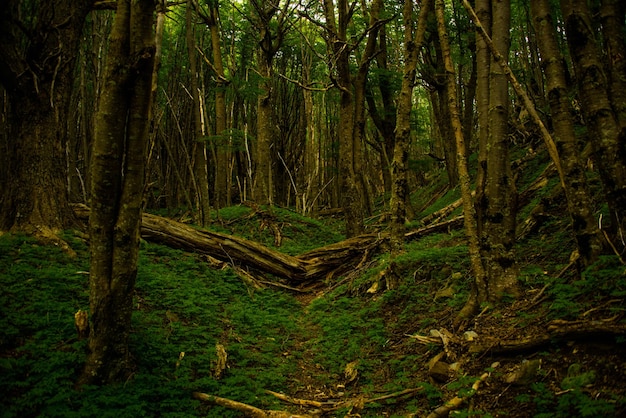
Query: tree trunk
(483, 60)
(198, 145)
(117, 190)
(498, 229)
(613, 17)
(37, 62)
(338, 47)
(574, 182)
(479, 286)
(604, 131)
(399, 166)
(222, 146)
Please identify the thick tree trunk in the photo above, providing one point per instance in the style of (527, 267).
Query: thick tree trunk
(498, 229)
(613, 17)
(117, 190)
(593, 84)
(338, 47)
(36, 69)
(222, 146)
(574, 182)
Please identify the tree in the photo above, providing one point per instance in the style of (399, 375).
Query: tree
(413, 40)
(121, 130)
(198, 146)
(480, 288)
(38, 49)
(271, 22)
(340, 48)
(602, 123)
(573, 178)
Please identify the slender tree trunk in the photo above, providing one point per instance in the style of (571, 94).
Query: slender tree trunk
(222, 148)
(116, 191)
(340, 51)
(604, 131)
(479, 286)
(360, 86)
(574, 182)
(483, 62)
(264, 181)
(199, 148)
(413, 41)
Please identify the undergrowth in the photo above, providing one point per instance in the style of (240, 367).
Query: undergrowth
(182, 306)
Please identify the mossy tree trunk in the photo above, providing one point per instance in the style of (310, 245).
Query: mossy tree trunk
(613, 19)
(117, 188)
(339, 50)
(222, 144)
(270, 22)
(574, 181)
(413, 40)
(479, 287)
(498, 228)
(609, 147)
(37, 60)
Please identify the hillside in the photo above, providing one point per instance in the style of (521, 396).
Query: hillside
(342, 346)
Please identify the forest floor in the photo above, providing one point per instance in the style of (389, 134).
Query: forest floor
(344, 346)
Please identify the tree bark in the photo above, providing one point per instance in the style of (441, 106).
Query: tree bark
(37, 63)
(222, 146)
(479, 286)
(198, 145)
(117, 190)
(593, 85)
(413, 41)
(498, 228)
(573, 178)
(339, 50)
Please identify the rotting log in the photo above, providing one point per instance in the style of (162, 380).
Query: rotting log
(319, 264)
(329, 261)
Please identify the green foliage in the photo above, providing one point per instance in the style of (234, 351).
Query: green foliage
(298, 233)
(182, 306)
(573, 400)
(605, 278)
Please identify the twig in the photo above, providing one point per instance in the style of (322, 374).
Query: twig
(454, 403)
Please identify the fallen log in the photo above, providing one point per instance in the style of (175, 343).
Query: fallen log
(557, 330)
(322, 263)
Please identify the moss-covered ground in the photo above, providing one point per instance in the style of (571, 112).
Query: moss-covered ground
(350, 342)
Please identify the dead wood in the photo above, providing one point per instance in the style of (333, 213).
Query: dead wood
(358, 402)
(442, 213)
(444, 226)
(557, 330)
(247, 410)
(322, 263)
(456, 402)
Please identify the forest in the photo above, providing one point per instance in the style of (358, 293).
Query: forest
(300, 208)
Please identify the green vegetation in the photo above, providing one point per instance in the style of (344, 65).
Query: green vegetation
(347, 342)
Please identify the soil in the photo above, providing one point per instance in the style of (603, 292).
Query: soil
(596, 361)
